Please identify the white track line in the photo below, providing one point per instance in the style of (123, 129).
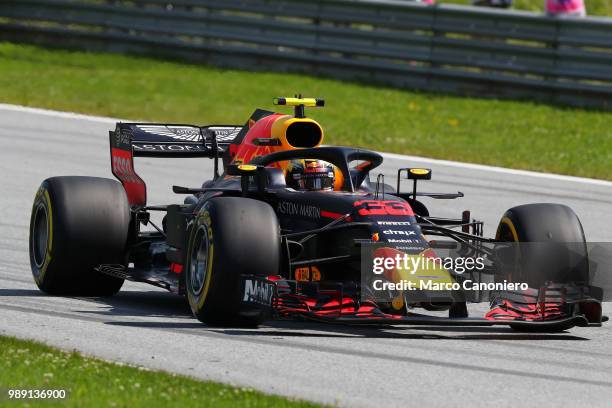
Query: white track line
(58, 114)
(481, 167)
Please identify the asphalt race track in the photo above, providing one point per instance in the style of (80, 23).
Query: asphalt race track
(422, 366)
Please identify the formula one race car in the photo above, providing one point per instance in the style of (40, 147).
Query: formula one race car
(292, 229)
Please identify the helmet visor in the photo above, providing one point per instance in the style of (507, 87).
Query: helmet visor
(316, 181)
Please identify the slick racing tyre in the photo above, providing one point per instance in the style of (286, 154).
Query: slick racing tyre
(78, 223)
(561, 255)
(230, 237)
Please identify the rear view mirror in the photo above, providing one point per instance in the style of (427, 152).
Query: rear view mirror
(417, 174)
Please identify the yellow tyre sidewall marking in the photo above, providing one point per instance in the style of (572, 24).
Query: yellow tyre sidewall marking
(199, 300)
(209, 264)
(45, 265)
(507, 222)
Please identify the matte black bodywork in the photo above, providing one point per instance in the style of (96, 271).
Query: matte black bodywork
(320, 229)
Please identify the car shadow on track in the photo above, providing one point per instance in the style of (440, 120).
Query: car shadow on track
(20, 293)
(125, 303)
(311, 329)
(315, 330)
(142, 304)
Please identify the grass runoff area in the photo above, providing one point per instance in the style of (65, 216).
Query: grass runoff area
(95, 383)
(512, 134)
(594, 7)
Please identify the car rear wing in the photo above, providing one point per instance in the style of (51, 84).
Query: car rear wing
(166, 140)
(130, 140)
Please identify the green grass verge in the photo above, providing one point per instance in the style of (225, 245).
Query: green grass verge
(505, 133)
(95, 383)
(594, 7)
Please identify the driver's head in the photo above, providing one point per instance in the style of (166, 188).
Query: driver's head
(310, 175)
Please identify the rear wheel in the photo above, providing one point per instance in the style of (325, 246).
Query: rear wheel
(230, 237)
(78, 223)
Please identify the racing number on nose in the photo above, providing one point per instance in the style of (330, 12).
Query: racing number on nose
(376, 207)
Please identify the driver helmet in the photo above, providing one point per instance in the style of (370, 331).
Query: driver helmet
(310, 175)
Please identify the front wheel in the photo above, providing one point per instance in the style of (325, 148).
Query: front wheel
(230, 237)
(555, 249)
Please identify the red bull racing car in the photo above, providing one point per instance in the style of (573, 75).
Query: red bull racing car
(289, 228)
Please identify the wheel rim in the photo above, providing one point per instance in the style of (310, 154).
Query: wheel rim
(40, 235)
(199, 260)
